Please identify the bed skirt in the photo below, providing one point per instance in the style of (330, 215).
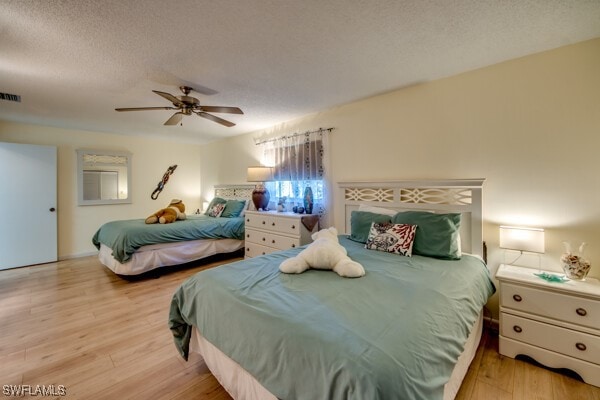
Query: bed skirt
(166, 254)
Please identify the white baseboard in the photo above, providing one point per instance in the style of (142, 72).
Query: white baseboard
(78, 255)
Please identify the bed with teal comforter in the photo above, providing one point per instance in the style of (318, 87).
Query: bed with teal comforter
(395, 333)
(126, 236)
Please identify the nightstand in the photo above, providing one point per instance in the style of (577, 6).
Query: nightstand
(557, 324)
(269, 231)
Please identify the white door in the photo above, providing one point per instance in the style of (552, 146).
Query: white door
(28, 202)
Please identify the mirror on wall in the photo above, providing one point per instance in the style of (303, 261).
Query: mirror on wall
(103, 177)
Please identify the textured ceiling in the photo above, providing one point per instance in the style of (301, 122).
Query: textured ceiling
(74, 61)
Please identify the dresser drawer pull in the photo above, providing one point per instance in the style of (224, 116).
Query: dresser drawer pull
(264, 222)
(272, 223)
(264, 239)
(248, 220)
(293, 226)
(273, 241)
(263, 253)
(517, 329)
(581, 311)
(293, 245)
(517, 298)
(248, 249)
(248, 235)
(580, 346)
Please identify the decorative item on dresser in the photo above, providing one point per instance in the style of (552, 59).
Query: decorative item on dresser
(556, 323)
(271, 231)
(260, 195)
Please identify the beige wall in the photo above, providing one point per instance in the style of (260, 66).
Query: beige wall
(150, 159)
(530, 126)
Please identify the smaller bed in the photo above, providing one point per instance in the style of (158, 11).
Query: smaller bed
(131, 247)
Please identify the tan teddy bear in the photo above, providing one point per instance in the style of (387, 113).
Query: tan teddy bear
(175, 211)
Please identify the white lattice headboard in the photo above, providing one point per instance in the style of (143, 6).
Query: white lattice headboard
(243, 191)
(453, 195)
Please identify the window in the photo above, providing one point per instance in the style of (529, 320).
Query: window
(298, 162)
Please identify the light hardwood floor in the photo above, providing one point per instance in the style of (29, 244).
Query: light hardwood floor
(75, 323)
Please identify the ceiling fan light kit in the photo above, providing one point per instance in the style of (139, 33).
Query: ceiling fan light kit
(188, 105)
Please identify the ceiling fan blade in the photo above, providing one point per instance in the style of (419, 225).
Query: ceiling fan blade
(170, 97)
(145, 108)
(175, 119)
(215, 119)
(219, 109)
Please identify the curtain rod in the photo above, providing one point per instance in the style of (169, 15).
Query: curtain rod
(294, 135)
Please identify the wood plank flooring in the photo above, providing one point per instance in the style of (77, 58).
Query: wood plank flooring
(75, 323)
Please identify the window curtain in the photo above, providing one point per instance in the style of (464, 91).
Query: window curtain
(300, 161)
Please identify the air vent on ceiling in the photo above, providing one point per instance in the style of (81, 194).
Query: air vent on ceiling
(10, 97)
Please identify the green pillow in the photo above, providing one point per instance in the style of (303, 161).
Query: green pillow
(216, 200)
(437, 234)
(360, 224)
(233, 208)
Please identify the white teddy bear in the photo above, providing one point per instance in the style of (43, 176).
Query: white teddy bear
(325, 252)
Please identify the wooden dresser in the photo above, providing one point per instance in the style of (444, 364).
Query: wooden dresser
(557, 324)
(269, 231)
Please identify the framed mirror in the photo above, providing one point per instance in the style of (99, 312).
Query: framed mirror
(103, 177)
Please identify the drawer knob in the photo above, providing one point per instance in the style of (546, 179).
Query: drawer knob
(264, 239)
(264, 222)
(580, 346)
(248, 235)
(248, 220)
(517, 329)
(263, 253)
(248, 249)
(293, 226)
(581, 311)
(272, 223)
(293, 245)
(517, 298)
(273, 241)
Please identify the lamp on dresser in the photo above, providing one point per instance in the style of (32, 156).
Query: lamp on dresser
(260, 194)
(530, 240)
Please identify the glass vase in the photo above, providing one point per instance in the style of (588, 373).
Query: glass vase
(575, 266)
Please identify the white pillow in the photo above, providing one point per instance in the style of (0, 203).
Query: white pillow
(377, 210)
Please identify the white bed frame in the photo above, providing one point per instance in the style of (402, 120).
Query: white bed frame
(463, 196)
(156, 256)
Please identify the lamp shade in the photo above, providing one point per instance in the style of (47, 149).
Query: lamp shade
(260, 174)
(523, 239)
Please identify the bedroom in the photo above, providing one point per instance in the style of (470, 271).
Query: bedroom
(527, 125)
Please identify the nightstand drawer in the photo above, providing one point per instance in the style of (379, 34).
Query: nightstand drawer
(568, 342)
(271, 240)
(555, 305)
(277, 224)
(255, 250)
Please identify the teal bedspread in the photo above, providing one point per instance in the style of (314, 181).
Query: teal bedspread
(395, 333)
(126, 236)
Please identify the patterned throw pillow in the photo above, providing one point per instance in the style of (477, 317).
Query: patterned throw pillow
(216, 210)
(393, 238)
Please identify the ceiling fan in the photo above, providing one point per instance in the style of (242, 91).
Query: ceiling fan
(187, 105)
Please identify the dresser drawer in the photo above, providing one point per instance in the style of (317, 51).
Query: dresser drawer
(568, 342)
(271, 240)
(290, 226)
(255, 250)
(555, 305)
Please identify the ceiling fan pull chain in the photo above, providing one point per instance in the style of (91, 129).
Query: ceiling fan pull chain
(163, 182)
